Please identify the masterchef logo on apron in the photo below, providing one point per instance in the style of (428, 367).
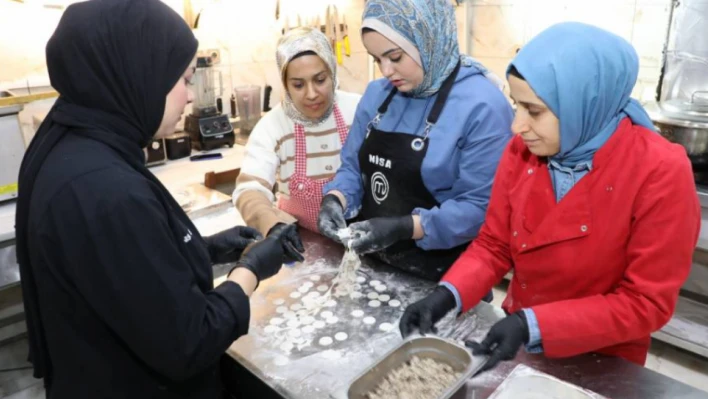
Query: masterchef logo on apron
(379, 187)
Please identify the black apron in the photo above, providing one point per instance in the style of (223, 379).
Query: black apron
(390, 164)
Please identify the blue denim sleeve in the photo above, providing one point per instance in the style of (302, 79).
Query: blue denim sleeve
(455, 293)
(535, 344)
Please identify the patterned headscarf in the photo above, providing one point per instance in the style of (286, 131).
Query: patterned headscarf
(294, 42)
(427, 31)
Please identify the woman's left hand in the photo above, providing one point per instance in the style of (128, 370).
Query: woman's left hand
(227, 246)
(378, 233)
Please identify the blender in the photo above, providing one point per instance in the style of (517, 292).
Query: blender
(207, 127)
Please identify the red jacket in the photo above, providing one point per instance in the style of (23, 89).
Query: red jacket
(602, 268)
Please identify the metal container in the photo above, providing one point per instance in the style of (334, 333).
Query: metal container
(692, 135)
(456, 356)
(527, 383)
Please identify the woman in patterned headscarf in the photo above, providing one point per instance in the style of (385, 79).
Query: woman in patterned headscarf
(419, 162)
(297, 144)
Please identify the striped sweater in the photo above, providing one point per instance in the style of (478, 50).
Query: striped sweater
(269, 162)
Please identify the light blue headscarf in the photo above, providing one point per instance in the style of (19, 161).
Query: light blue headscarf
(585, 76)
(430, 26)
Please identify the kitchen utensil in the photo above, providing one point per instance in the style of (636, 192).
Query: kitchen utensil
(178, 146)
(337, 42)
(456, 356)
(345, 33)
(248, 99)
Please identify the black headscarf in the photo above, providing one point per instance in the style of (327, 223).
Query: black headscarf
(113, 63)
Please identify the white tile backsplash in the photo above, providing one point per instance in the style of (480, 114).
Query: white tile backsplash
(501, 26)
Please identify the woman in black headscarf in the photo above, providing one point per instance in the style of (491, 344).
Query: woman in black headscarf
(117, 282)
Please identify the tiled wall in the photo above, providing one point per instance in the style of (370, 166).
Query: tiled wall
(500, 27)
(492, 29)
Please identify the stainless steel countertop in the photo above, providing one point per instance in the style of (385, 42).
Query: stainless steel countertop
(9, 270)
(326, 372)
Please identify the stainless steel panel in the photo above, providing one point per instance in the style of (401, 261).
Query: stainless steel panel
(527, 383)
(455, 356)
(9, 270)
(688, 328)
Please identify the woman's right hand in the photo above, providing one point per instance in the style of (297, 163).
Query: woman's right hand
(423, 314)
(331, 218)
(265, 258)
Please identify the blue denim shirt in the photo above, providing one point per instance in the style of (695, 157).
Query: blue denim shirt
(564, 178)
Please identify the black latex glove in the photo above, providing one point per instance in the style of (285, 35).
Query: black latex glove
(227, 246)
(503, 340)
(265, 258)
(378, 233)
(331, 217)
(292, 244)
(425, 313)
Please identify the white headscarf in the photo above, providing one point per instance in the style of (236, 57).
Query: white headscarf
(297, 41)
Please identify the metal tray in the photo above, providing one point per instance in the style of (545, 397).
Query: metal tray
(456, 356)
(527, 383)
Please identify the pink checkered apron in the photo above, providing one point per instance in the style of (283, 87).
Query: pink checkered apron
(305, 193)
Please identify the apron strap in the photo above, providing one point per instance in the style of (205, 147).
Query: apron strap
(434, 114)
(445, 90)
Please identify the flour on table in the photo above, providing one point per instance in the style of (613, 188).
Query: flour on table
(385, 327)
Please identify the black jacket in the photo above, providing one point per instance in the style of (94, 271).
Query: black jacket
(126, 297)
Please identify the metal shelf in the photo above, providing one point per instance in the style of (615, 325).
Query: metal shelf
(688, 328)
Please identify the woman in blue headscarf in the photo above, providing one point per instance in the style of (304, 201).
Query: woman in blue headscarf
(418, 164)
(596, 213)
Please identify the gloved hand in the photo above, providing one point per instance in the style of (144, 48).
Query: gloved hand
(265, 258)
(378, 233)
(425, 313)
(226, 246)
(503, 340)
(331, 217)
(292, 244)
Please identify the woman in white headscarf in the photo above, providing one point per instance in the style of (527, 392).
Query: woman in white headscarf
(294, 149)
